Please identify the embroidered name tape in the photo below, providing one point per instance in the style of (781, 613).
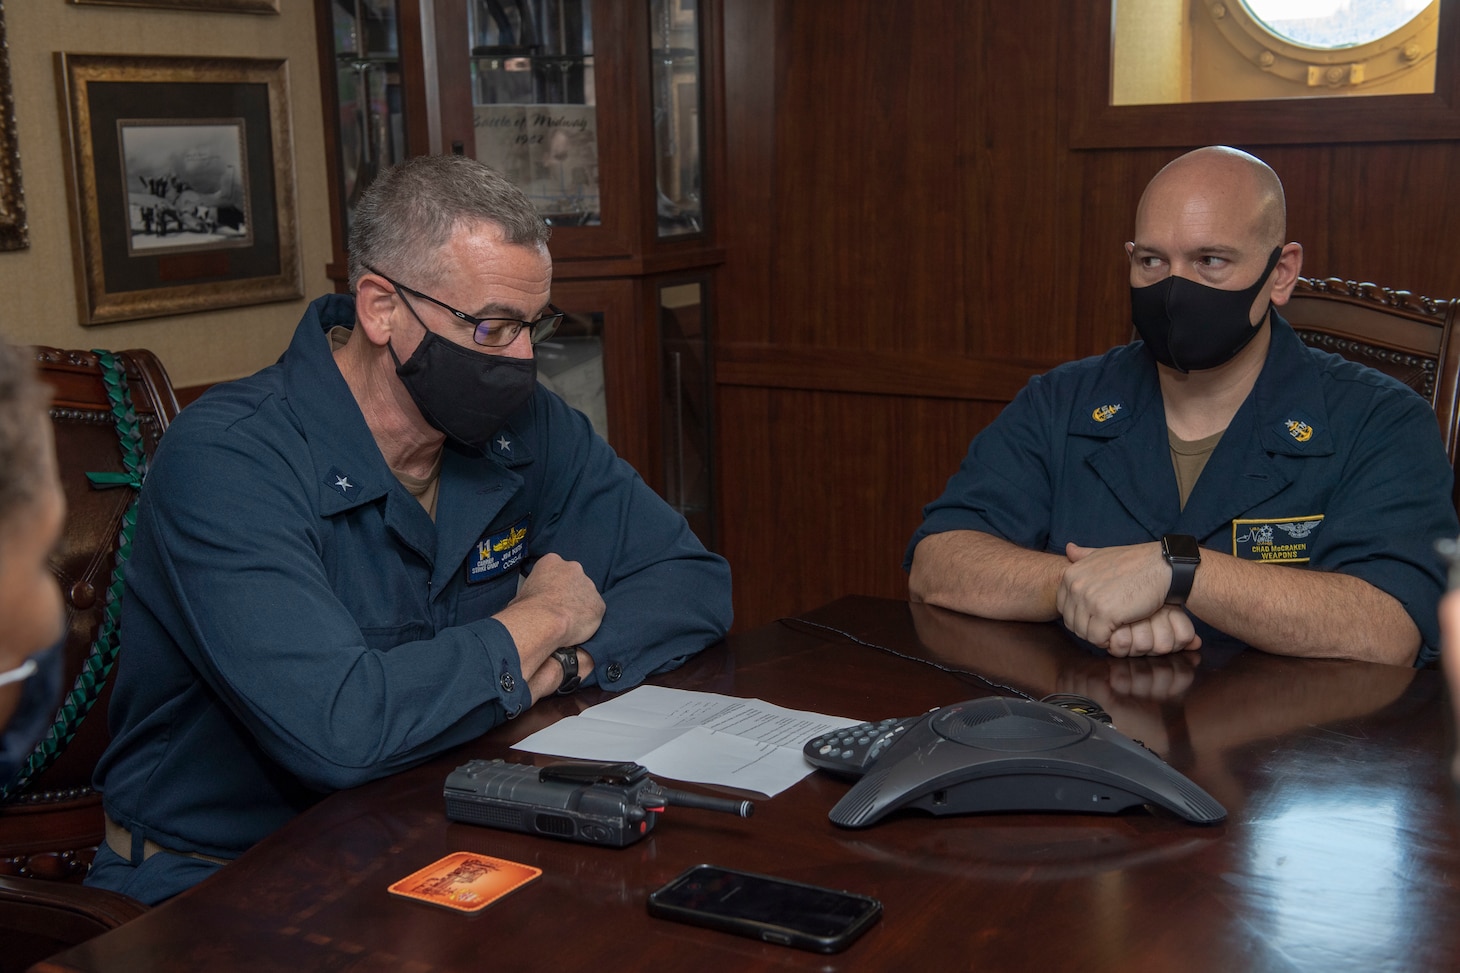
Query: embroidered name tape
(1287, 540)
(498, 553)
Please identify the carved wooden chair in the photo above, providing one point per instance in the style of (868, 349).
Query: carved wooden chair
(108, 412)
(1399, 333)
(39, 918)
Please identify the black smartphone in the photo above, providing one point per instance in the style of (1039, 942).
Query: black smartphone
(773, 910)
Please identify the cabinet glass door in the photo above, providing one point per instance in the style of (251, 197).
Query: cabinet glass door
(371, 118)
(570, 363)
(674, 52)
(687, 384)
(533, 101)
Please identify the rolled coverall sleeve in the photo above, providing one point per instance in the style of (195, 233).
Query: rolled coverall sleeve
(1005, 484)
(665, 596)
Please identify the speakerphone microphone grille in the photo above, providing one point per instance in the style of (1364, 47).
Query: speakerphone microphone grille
(859, 802)
(1201, 805)
(1019, 725)
(1011, 725)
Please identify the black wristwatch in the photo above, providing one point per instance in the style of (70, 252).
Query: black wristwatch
(567, 657)
(1181, 552)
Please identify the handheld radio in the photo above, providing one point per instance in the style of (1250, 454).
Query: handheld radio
(612, 804)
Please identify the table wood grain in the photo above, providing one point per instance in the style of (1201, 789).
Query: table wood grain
(1339, 853)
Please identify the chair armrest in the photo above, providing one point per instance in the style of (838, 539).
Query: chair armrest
(39, 919)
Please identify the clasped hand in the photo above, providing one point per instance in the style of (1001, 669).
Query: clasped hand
(563, 589)
(557, 604)
(1114, 598)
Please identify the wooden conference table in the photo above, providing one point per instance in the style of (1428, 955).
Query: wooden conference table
(1341, 850)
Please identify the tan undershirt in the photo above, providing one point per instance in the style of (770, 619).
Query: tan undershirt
(424, 490)
(1189, 458)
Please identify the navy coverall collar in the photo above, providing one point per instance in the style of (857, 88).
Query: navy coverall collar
(350, 470)
(1283, 416)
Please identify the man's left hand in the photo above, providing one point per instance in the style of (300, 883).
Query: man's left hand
(1169, 630)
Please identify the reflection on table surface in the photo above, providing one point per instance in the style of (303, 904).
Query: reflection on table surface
(1339, 853)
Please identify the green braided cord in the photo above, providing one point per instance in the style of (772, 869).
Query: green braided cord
(103, 655)
(103, 480)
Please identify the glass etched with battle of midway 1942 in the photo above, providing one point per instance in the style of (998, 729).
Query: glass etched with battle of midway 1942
(534, 103)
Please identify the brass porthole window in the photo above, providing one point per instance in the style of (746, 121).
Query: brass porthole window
(1331, 46)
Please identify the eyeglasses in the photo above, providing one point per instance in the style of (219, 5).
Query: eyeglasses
(491, 332)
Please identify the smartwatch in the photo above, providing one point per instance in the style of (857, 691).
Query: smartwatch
(1181, 552)
(567, 657)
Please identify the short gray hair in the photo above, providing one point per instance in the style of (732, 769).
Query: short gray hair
(412, 209)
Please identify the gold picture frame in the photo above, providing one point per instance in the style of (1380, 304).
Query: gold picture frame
(219, 6)
(14, 235)
(182, 183)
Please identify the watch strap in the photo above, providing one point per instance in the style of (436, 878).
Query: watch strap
(1183, 573)
(1183, 570)
(567, 657)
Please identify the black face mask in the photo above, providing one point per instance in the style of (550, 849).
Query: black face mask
(465, 394)
(34, 713)
(1190, 326)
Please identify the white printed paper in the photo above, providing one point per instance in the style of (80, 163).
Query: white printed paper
(706, 738)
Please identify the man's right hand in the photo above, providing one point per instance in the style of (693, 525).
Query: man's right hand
(561, 588)
(1111, 597)
(556, 605)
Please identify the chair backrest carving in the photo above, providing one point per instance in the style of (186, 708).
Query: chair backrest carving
(50, 826)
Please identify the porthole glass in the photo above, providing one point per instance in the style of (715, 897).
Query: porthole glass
(1334, 24)
(1183, 51)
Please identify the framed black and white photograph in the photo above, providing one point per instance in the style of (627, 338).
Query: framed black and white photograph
(186, 185)
(219, 6)
(182, 184)
(13, 231)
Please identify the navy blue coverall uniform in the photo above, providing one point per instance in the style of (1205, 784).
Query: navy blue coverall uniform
(1328, 464)
(295, 623)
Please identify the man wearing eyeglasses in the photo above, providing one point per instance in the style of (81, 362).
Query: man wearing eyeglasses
(381, 546)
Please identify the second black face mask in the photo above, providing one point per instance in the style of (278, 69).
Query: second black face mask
(1190, 326)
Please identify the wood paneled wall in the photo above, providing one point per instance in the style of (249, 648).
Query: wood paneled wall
(910, 236)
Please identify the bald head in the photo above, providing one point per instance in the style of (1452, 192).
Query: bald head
(1216, 216)
(1220, 179)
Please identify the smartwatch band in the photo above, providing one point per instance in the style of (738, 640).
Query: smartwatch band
(1184, 556)
(567, 657)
